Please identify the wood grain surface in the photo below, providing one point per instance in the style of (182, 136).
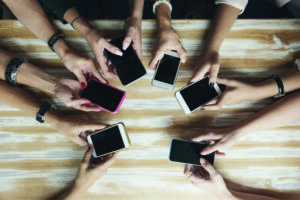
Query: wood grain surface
(38, 163)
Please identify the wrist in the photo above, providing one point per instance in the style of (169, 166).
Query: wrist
(163, 16)
(62, 49)
(266, 89)
(210, 49)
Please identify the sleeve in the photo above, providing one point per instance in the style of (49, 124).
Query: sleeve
(240, 4)
(58, 8)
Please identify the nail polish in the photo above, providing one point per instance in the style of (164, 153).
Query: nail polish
(211, 85)
(83, 85)
(119, 52)
(202, 161)
(88, 103)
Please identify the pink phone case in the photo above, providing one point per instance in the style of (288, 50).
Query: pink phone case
(119, 106)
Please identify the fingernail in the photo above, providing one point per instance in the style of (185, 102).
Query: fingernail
(211, 85)
(203, 152)
(202, 161)
(107, 82)
(83, 85)
(118, 52)
(88, 103)
(202, 108)
(125, 45)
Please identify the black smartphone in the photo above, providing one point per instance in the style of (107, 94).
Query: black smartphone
(188, 152)
(166, 72)
(128, 66)
(197, 94)
(106, 97)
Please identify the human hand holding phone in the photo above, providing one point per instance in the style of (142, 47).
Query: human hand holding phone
(133, 35)
(235, 92)
(208, 179)
(75, 126)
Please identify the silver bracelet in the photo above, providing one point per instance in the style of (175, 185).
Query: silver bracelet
(12, 69)
(158, 2)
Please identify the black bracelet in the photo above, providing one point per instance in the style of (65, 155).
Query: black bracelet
(280, 86)
(75, 20)
(53, 39)
(12, 68)
(45, 107)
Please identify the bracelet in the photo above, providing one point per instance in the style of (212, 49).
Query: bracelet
(12, 69)
(45, 107)
(280, 86)
(158, 2)
(53, 39)
(75, 20)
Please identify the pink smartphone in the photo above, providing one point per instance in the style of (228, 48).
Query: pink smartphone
(104, 96)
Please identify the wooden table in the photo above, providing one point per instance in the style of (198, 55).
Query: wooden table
(37, 163)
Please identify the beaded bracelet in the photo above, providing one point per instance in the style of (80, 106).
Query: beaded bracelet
(158, 2)
(80, 16)
(12, 69)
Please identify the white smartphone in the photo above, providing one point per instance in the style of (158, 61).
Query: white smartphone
(109, 140)
(167, 70)
(196, 95)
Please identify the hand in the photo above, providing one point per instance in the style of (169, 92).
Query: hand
(133, 34)
(98, 43)
(89, 173)
(206, 178)
(236, 92)
(219, 139)
(207, 63)
(84, 68)
(74, 127)
(68, 91)
(167, 40)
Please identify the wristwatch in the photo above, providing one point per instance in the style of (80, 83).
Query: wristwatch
(280, 86)
(45, 107)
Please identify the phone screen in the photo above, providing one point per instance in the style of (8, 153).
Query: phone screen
(107, 141)
(167, 69)
(198, 94)
(189, 152)
(128, 67)
(103, 95)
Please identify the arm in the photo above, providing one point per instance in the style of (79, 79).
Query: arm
(31, 14)
(166, 39)
(87, 175)
(280, 113)
(67, 90)
(237, 91)
(220, 26)
(208, 179)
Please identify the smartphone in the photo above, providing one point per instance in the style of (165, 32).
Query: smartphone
(188, 152)
(166, 72)
(106, 97)
(128, 66)
(196, 95)
(109, 140)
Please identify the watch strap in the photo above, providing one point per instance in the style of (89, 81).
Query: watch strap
(54, 38)
(280, 86)
(45, 107)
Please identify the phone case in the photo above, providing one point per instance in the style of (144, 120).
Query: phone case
(121, 102)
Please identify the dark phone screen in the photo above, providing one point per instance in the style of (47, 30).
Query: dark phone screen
(128, 67)
(167, 69)
(198, 94)
(103, 95)
(107, 141)
(189, 152)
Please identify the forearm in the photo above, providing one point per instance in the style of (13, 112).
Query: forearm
(163, 16)
(248, 196)
(28, 74)
(73, 193)
(280, 113)
(269, 87)
(136, 8)
(19, 98)
(220, 26)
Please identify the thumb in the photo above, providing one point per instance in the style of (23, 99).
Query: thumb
(210, 149)
(207, 166)
(88, 154)
(81, 78)
(115, 50)
(127, 40)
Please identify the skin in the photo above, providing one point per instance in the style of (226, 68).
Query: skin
(31, 14)
(166, 39)
(98, 42)
(87, 175)
(208, 179)
(208, 61)
(280, 113)
(66, 90)
(71, 126)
